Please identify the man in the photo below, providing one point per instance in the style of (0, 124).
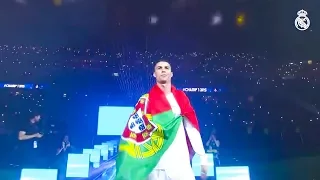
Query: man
(65, 146)
(29, 136)
(62, 156)
(213, 145)
(154, 145)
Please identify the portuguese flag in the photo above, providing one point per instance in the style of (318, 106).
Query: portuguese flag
(149, 132)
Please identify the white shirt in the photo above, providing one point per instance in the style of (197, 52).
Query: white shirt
(176, 161)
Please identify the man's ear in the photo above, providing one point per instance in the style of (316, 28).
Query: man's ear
(154, 75)
(171, 74)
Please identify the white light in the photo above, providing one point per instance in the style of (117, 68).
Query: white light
(216, 19)
(153, 19)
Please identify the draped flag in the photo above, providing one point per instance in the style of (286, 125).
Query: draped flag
(149, 132)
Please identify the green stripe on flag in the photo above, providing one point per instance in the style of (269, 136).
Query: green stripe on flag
(135, 162)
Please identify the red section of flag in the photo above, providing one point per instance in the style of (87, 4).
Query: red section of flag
(158, 104)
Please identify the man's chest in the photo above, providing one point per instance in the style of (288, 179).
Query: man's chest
(31, 129)
(173, 104)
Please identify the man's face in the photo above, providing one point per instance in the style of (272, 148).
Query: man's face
(162, 72)
(37, 118)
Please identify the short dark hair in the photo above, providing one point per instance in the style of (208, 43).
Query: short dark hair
(162, 60)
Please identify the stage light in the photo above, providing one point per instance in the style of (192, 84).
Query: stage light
(309, 61)
(241, 19)
(23, 2)
(153, 20)
(57, 2)
(216, 19)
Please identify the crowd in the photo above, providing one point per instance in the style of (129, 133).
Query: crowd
(259, 106)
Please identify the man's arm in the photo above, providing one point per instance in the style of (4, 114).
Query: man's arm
(194, 134)
(62, 148)
(217, 143)
(22, 136)
(196, 142)
(208, 142)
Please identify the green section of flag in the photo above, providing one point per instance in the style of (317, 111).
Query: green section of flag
(138, 168)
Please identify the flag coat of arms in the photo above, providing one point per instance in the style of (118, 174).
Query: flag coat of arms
(149, 132)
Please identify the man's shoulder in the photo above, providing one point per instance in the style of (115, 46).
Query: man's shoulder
(143, 99)
(181, 92)
(25, 126)
(145, 96)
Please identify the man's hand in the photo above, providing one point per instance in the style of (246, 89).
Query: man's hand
(204, 171)
(38, 135)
